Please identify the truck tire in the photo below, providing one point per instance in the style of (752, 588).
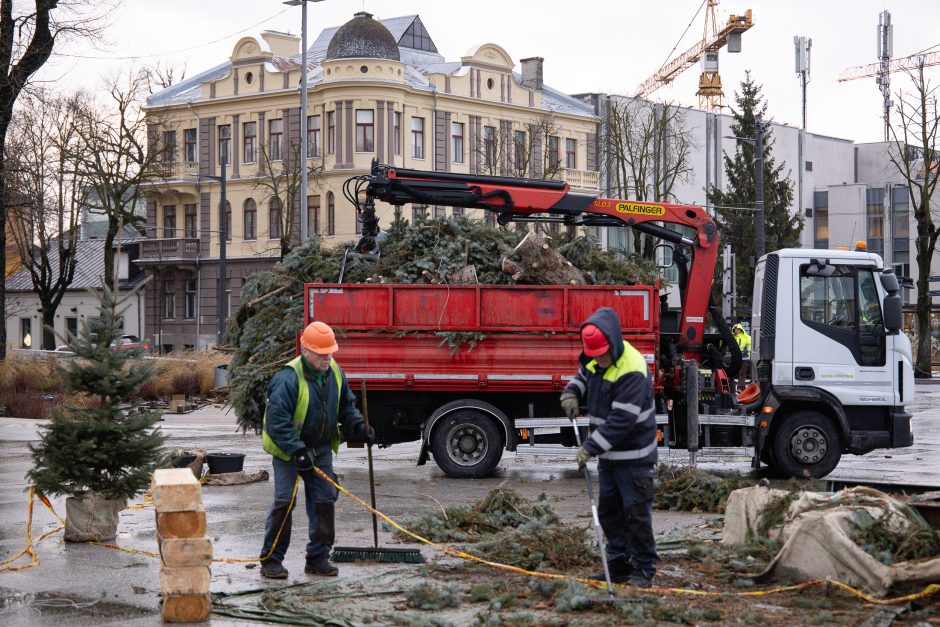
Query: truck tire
(806, 444)
(467, 444)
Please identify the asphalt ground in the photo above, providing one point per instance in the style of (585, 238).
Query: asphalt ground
(81, 584)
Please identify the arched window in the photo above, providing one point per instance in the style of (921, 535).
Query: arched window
(313, 215)
(274, 217)
(330, 214)
(251, 219)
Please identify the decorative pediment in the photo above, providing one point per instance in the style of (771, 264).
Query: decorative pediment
(488, 54)
(249, 48)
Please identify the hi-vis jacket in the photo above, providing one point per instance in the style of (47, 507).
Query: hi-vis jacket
(743, 340)
(619, 399)
(301, 414)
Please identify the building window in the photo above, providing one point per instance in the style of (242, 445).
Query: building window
(189, 145)
(225, 144)
(439, 212)
(875, 219)
(330, 214)
(571, 154)
(313, 136)
(169, 146)
(489, 147)
(313, 215)
(457, 211)
(553, 157)
(189, 305)
(900, 225)
(228, 221)
(518, 150)
(251, 136)
(417, 138)
(169, 221)
(251, 219)
(26, 333)
(489, 218)
(71, 328)
(331, 132)
(169, 301)
(275, 134)
(418, 213)
(396, 131)
(274, 217)
(456, 133)
(417, 37)
(365, 130)
(189, 221)
(821, 219)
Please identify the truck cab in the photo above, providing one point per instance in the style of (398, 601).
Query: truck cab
(834, 368)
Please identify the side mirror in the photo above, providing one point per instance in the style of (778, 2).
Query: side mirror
(665, 258)
(892, 313)
(889, 281)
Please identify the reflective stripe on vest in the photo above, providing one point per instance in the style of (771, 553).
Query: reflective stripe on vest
(300, 408)
(635, 454)
(631, 361)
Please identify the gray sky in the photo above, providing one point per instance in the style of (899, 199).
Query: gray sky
(589, 45)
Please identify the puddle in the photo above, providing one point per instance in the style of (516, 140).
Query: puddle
(56, 606)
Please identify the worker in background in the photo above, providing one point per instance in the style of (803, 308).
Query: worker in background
(309, 403)
(744, 343)
(615, 384)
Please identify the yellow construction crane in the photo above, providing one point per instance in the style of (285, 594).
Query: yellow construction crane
(911, 62)
(710, 95)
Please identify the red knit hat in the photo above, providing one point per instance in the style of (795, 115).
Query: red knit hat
(594, 341)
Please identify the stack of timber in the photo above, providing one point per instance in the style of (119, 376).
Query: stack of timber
(185, 551)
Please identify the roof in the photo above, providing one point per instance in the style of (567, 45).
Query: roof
(419, 64)
(89, 268)
(828, 253)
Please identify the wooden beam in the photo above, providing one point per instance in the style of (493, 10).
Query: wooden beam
(176, 490)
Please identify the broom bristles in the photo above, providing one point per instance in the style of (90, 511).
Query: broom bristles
(364, 554)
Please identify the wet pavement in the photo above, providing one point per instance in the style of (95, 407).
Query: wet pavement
(81, 584)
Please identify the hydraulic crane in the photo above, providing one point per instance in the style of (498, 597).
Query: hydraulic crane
(903, 64)
(710, 95)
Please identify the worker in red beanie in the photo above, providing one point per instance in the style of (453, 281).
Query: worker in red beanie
(615, 385)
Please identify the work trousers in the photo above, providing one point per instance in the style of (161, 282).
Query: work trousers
(319, 500)
(625, 509)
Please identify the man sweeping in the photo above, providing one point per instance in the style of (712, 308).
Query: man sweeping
(615, 385)
(309, 402)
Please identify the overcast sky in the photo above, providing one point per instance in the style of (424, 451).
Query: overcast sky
(588, 45)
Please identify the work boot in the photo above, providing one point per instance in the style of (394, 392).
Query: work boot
(639, 580)
(273, 570)
(320, 566)
(620, 570)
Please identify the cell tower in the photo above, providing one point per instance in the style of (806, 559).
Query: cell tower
(802, 47)
(885, 51)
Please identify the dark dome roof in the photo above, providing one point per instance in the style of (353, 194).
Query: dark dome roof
(363, 38)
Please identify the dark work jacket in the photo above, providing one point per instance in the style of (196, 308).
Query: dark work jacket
(619, 399)
(322, 416)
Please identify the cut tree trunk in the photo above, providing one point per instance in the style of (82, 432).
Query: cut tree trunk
(465, 276)
(535, 262)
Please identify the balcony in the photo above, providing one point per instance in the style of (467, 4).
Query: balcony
(155, 251)
(582, 179)
(173, 171)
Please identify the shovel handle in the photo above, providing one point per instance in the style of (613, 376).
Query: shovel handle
(365, 415)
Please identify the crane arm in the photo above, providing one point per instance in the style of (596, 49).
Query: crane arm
(896, 65)
(518, 200)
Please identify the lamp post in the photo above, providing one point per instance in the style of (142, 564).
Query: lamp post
(303, 113)
(758, 142)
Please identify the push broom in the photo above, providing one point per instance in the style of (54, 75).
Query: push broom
(374, 553)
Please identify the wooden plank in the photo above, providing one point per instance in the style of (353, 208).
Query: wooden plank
(191, 524)
(176, 490)
(177, 552)
(184, 580)
(185, 608)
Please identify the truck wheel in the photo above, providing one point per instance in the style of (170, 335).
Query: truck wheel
(806, 444)
(467, 444)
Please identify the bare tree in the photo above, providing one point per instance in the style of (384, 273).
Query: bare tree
(519, 150)
(27, 37)
(650, 150)
(45, 139)
(123, 151)
(280, 181)
(914, 154)
(161, 75)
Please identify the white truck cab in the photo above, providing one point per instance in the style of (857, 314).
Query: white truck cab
(834, 368)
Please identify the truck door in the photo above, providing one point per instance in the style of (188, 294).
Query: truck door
(839, 338)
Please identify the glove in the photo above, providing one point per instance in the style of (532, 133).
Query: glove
(582, 457)
(303, 460)
(366, 434)
(570, 404)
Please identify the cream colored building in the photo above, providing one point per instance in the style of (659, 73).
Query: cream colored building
(376, 90)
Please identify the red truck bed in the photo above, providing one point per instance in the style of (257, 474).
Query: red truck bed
(389, 334)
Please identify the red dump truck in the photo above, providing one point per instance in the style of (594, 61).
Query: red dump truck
(475, 370)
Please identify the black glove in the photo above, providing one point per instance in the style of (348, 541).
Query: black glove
(303, 460)
(366, 434)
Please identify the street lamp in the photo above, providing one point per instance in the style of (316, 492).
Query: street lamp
(758, 142)
(303, 113)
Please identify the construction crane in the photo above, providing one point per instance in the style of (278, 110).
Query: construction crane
(911, 62)
(710, 95)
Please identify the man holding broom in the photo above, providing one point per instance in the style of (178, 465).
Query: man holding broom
(309, 402)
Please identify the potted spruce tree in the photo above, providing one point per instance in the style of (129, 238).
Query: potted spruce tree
(101, 447)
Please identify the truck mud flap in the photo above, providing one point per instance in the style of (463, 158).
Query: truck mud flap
(901, 433)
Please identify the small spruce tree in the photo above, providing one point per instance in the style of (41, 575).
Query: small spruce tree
(102, 441)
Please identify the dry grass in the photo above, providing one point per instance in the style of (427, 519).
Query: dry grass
(184, 372)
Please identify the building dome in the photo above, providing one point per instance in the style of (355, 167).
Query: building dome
(363, 38)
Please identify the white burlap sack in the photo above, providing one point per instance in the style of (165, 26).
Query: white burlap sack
(92, 518)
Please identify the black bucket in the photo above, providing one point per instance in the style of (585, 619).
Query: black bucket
(183, 461)
(221, 463)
